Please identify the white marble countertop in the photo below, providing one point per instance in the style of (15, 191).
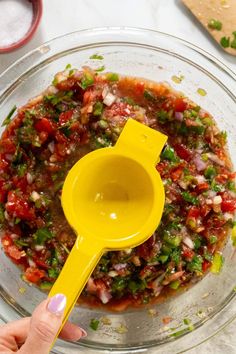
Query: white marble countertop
(60, 17)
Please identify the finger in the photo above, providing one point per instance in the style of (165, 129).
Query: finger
(72, 332)
(14, 333)
(45, 323)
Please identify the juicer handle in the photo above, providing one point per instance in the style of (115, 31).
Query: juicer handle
(75, 273)
(140, 141)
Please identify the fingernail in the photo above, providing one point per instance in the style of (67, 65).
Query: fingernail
(57, 304)
(84, 333)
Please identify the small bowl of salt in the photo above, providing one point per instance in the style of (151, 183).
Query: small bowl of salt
(19, 20)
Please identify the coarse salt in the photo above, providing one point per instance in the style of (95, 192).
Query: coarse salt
(15, 20)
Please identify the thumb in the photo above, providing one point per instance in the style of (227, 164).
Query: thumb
(45, 323)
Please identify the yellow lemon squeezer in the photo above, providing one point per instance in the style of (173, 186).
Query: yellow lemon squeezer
(113, 198)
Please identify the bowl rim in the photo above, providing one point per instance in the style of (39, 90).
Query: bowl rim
(192, 46)
(37, 15)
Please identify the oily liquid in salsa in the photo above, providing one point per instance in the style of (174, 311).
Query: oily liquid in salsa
(82, 111)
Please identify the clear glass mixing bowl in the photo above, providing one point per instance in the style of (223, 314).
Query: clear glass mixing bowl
(210, 304)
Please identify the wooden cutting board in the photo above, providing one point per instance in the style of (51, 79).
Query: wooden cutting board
(222, 11)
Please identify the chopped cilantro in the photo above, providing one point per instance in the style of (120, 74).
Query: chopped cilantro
(225, 41)
(94, 323)
(149, 95)
(196, 264)
(175, 284)
(53, 273)
(86, 81)
(210, 172)
(21, 169)
(175, 255)
(96, 57)
(100, 69)
(118, 284)
(188, 197)
(98, 108)
(42, 235)
(215, 24)
(2, 217)
(172, 240)
(8, 117)
(231, 186)
(112, 77)
(45, 285)
(213, 239)
(162, 116)
(168, 153)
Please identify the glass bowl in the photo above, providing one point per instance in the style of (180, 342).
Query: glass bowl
(210, 304)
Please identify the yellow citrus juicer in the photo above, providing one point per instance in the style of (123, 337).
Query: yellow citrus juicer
(113, 198)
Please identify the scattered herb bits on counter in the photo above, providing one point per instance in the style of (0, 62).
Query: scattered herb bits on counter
(85, 110)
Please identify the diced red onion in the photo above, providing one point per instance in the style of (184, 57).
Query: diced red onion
(120, 266)
(179, 116)
(91, 286)
(39, 248)
(105, 91)
(31, 262)
(35, 196)
(51, 147)
(215, 159)
(200, 165)
(52, 90)
(109, 99)
(217, 200)
(200, 179)
(157, 291)
(188, 242)
(9, 157)
(7, 217)
(14, 236)
(29, 178)
(227, 216)
(211, 194)
(104, 296)
(232, 194)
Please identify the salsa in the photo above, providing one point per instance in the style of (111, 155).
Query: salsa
(85, 110)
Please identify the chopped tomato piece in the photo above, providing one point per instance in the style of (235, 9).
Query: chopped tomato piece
(44, 125)
(34, 275)
(14, 252)
(11, 249)
(194, 212)
(146, 248)
(206, 265)
(6, 242)
(202, 187)
(3, 164)
(188, 253)
(176, 173)
(67, 84)
(140, 88)
(228, 205)
(8, 146)
(183, 152)
(3, 191)
(65, 117)
(205, 209)
(17, 206)
(180, 105)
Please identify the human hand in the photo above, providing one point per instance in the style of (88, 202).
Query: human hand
(35, 335)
